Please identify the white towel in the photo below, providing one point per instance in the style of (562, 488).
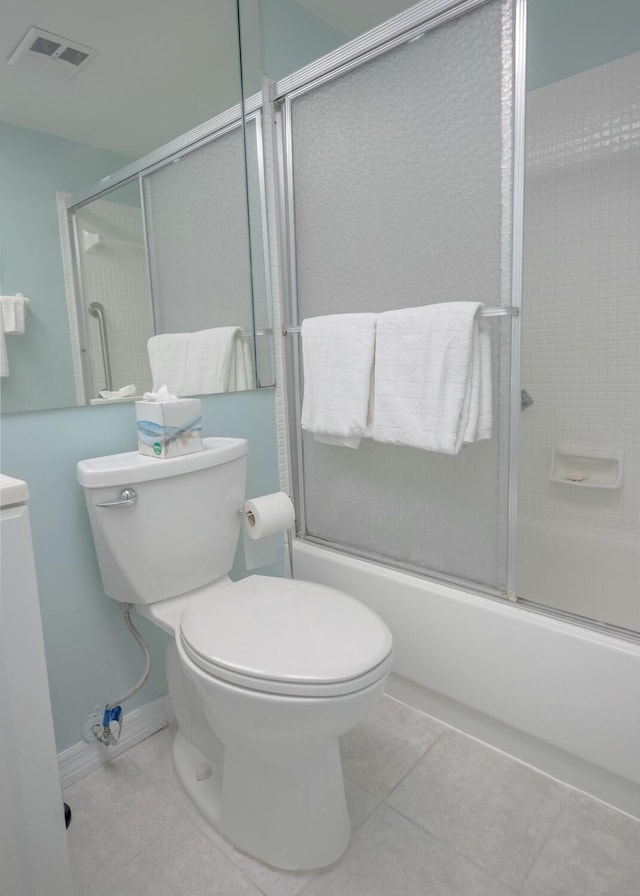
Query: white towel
(167, 359)
(241, 375)
(13, 313)
(433, 377)
(337, 356)
(214, 360)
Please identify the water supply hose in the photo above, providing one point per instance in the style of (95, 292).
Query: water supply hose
(113, 711)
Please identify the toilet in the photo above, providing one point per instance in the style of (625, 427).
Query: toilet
(265, 674)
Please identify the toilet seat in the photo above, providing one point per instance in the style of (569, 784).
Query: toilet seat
(286, 637)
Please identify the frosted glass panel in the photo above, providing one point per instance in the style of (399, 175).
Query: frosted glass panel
(400, 173)
(196, 211)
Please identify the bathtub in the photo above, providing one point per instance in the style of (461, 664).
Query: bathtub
(583, 571)
(560, 697)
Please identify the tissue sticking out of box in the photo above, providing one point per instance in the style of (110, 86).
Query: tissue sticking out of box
(162, 394)
(168, 426)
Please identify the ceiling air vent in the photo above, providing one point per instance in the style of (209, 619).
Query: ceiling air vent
(51, 54)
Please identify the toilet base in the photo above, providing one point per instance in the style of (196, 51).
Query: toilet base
(286, 810)
(204, 790)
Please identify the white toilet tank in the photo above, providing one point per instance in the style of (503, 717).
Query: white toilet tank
(180, 529)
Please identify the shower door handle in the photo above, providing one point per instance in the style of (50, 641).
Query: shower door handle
(128, 497)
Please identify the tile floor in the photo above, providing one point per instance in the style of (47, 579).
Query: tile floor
(434, 813)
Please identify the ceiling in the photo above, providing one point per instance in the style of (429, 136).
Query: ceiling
(163, 66)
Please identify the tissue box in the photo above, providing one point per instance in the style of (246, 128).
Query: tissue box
(169, 428)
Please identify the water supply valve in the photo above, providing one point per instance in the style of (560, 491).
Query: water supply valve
(109, 732)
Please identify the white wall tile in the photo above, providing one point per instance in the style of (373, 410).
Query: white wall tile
(581, 316)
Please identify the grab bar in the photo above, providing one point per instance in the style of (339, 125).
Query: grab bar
(497, 311)
(97, 310)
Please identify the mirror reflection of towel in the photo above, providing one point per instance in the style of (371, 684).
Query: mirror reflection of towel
(215, 360)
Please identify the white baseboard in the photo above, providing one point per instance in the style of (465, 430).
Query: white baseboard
(81, 759)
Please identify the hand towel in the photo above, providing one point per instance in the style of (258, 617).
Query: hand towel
(433, 377)
(13, 313)
(337, 357)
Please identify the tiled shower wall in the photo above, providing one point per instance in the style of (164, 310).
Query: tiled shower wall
(115, 274)
(581, 316)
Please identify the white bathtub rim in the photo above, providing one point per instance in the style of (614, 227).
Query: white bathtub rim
(542, 618)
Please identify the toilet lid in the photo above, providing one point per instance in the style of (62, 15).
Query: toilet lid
(286, 636)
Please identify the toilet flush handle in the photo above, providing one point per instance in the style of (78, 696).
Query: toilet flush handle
(128, 497)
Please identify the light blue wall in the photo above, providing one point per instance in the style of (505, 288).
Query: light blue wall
(33, 167)
(292, 37)
(565, 37)
(91, 658)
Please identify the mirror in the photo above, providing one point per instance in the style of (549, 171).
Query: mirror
(92, 94)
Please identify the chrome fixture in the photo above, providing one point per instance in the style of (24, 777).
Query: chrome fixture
(128, 497)
(97, 310)
(525, 400)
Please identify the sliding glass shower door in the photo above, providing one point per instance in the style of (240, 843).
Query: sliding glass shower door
(398, 156)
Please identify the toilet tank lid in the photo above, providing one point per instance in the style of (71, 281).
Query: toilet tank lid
(131, 467)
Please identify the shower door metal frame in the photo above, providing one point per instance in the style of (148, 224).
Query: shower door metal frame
(402, 29)
(517, 245)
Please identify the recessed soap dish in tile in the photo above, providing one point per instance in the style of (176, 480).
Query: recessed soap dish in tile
(586, 467)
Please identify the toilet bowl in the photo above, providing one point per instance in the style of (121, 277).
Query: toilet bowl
(264, 674)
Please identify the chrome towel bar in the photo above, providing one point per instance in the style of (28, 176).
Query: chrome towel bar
(490, 311)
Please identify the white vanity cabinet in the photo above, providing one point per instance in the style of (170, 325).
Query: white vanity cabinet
(34, 858)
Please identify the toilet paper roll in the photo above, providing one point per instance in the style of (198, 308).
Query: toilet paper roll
(268, 515)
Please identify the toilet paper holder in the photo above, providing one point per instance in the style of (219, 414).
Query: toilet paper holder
(247, 513)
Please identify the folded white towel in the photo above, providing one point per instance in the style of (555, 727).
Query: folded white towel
(13, 313)
(214, 360)
(433, 377)
(241, 374)
(167, 359)
(337, 356)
